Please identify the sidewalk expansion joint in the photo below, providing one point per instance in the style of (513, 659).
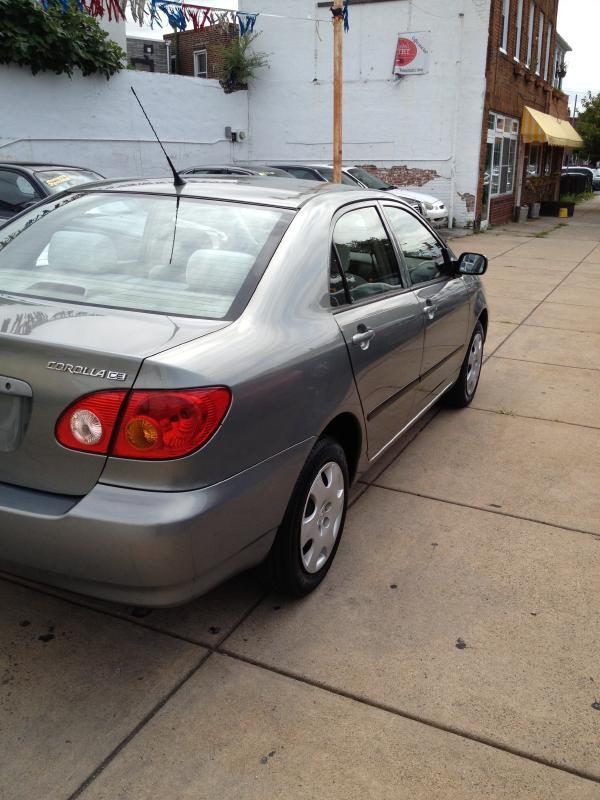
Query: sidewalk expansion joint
(430, 723)
(557, 525)
(159, 705)
(529, 416)
(557, 328)
(544, 363)
(543, 300)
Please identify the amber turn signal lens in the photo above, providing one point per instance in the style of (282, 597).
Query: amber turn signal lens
(142, 433)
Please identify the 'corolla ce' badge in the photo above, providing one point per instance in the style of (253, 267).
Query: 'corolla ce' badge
(78, 369)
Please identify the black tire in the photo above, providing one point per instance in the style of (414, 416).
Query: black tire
(283, 568)
(459, 396)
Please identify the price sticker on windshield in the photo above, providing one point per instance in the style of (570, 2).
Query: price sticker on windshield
(56, 181)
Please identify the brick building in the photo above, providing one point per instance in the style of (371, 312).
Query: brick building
(522, 149)
(198, 53)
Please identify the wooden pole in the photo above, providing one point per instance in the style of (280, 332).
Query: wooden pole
(338, 38)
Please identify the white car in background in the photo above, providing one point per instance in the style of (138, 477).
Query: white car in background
(434, 210)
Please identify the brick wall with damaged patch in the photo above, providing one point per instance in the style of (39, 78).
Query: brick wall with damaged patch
(420, 132)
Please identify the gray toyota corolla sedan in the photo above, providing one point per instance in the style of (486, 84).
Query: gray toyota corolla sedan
(192, 377)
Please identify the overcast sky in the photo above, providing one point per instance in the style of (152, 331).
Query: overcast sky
(579, 24)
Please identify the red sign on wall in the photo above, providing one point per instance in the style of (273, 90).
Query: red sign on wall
(406, 52)
(412, 54)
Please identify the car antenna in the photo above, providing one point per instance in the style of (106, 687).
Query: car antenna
(177, 179)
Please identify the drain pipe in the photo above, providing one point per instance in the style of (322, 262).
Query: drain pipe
(458, 84)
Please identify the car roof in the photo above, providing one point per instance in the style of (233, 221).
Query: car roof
(310, 166)
(238, 165)
(42, 165)
(281, 192)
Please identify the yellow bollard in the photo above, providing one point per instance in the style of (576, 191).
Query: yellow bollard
(563, 213)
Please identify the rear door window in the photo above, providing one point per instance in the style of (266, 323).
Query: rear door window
(16, 191)
(150, 253)
(365, 256)
(303, 173)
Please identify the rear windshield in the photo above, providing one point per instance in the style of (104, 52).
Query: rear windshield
(197, 258)
(56, 180)
(370, 181)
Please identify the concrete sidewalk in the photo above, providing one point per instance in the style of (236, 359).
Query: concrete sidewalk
(454, 651)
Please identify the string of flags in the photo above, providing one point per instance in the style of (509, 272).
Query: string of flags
(178, 15)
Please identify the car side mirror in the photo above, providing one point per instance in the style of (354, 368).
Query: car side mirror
(471, 264)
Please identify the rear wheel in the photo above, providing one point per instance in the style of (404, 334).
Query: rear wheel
(463, 391)
(310, 533)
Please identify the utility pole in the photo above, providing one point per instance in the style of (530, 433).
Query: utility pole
(338, 38)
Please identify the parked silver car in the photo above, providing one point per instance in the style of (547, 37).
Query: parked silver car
(193, 393)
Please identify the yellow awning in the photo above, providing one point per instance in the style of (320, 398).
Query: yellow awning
(539, 128)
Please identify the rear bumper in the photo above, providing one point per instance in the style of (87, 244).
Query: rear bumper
(148, 548)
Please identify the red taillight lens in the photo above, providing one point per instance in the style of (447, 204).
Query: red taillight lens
(158, 424)
(154, 424)
(88, 424)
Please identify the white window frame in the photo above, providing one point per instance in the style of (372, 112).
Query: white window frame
(530, 32)
(505, 21)
(548, 43)
(540, 44)
(197, 72)
(506, 129)
(519, 30)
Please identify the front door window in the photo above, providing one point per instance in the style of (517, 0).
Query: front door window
(424, 256)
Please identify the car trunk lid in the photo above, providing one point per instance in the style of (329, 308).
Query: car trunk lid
(51, 354)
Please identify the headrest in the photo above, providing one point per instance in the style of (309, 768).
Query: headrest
(80, 251)
(220, 272)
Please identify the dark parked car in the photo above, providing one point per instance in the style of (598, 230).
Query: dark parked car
(192, 394)
(23, 183)
(589, 172)
(260, 170)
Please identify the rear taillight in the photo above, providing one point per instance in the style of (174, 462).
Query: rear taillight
(89, 423)
(154, 424)
(159, 424)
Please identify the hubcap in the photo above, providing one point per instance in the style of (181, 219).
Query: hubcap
(474, 362)
(322, 517)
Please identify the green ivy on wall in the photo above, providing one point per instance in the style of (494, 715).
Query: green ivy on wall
(56, 40)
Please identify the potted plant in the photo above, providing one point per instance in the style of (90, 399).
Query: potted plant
(239, 63)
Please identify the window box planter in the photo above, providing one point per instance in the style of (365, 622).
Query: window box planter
(551, 208)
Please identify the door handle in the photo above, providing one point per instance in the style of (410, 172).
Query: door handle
(430, 309)
(363, 337)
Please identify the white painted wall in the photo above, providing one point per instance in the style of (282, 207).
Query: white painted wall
(97, 123)
(429, 121)
(116, 29)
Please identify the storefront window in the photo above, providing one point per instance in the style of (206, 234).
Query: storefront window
(533, 162)
(503, 135)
